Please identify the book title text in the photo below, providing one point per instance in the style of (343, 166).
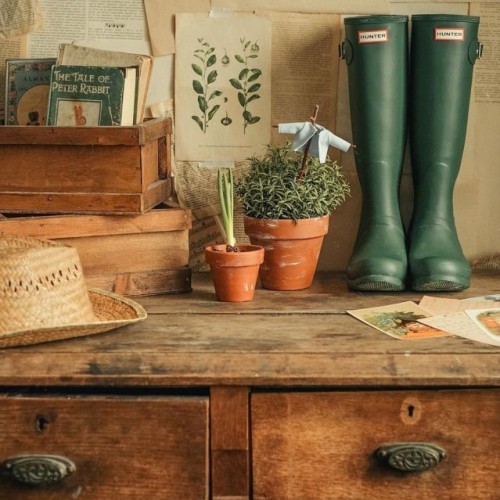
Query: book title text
(81, 83)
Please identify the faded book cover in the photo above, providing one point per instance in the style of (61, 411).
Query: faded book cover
(72, 54)
(92, 96)
(27, 90)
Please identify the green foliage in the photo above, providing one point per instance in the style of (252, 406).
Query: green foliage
(225, 185)
(208, 76)
(247, 91)
(270, 189)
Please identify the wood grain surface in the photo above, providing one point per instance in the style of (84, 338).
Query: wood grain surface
(280, 338)
(322, 445)
(122, 447)
(85, 169)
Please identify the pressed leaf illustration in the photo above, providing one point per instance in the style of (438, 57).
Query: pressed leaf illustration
(246, 83)
(204, 69)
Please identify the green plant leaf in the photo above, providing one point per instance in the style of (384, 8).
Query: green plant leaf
(270, 189)
(212, 77)
(211, 60)
(202, 103)
(241, 99)
(243, 74)
(212, 112)
(255, 74)
(198, 87)
(215, 93)
(197, 69)
(254, 87)
(209, 51)
(239, 59)
(254, 119)
(235, 83)
(198, 121)
(247, 115)
(225, 185)
(253, 98)
(253, 56)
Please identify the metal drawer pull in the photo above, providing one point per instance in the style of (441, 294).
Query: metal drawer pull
(411, 457)
(39, 470)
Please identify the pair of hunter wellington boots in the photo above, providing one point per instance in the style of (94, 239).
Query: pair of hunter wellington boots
(425, 88)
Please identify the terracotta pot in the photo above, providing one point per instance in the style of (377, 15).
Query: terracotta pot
(234, 274)
(291, 250)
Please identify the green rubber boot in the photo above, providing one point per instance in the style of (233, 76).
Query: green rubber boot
(443, 51)
(375, 50)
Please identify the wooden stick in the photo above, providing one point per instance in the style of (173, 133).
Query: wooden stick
(303, 167)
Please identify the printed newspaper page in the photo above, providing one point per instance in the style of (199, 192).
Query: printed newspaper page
(310, 6)
(304, 69)
(18, 17)
(487, 70)
(88, 20)
(483, 134)
(161, 21)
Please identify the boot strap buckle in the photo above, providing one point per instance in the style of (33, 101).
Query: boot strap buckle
(475, 51)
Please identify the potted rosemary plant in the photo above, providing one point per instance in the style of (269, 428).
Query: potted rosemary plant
(234, 267)
(287, 199)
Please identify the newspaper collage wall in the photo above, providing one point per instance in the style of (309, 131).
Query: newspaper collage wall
(291, 53)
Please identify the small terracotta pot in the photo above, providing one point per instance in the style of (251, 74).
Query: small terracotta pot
(291, 247)
(234, 274)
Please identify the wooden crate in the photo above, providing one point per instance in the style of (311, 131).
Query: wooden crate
(85, 169)
(141, 254)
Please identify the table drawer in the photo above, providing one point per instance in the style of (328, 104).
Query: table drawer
(120, 447)
(320, 445)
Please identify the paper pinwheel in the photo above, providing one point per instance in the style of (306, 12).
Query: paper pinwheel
(319, 136)
(312, 139)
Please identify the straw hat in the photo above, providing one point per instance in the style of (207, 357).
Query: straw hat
(43, 295)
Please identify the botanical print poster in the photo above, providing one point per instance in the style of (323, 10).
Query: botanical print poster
(222, 86)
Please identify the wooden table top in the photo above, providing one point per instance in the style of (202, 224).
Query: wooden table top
(287, 339)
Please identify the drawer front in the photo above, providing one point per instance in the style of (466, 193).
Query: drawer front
(323, 445)
(133, 448)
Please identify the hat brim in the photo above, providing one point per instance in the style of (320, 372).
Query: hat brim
(111, 310)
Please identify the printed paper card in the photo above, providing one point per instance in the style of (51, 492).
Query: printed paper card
(488, 320)
(461, 325)
(222, 86)
(495, 297)
(468, 318)
(443, 305)
(400, 321)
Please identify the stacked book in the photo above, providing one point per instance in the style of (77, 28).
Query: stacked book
(82, 87)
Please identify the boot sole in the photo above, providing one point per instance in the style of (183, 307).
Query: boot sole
(376, 283)
(439, 285)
